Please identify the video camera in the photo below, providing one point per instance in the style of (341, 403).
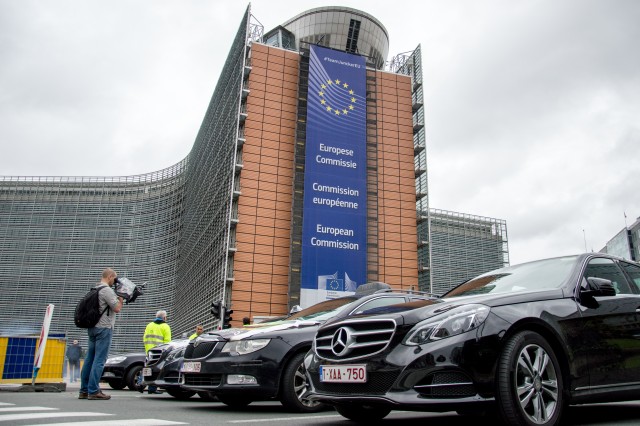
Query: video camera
(126, 289)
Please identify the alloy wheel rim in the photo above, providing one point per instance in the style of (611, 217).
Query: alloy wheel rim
(536, 384)
(300, 386)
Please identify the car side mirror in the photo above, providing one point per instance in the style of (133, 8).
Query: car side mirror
(597, 287)
(295, 309)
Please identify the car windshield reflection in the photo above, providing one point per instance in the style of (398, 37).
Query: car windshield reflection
(533, 276)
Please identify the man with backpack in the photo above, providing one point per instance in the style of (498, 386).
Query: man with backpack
(100, 338)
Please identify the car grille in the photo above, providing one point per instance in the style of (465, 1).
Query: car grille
(153, 356)
(378, 383)
(446, 384)
(354, 339)
(202, 379)
(200, 351)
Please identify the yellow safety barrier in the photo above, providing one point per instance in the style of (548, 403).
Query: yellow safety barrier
(17, 354)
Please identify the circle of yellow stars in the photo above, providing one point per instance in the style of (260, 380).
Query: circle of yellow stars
(332, 109)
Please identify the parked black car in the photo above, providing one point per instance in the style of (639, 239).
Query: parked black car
(124, 370)
(524, 340)
(265, 363)
(162, 368)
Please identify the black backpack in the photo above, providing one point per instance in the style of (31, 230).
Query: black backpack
(88, 312)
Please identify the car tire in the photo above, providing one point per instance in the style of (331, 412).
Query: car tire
(234, 401)
(294, 385)
(180, 394)
(116, 384)
(207, 396)
(363, 413)
(529, 385)
(132, 378)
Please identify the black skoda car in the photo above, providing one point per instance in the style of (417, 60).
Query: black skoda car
(264, 363)
(522, 341)
(162, 368)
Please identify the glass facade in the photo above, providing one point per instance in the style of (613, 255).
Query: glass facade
(342, 28)
(626, 243)
(57, 234)
(463, 246)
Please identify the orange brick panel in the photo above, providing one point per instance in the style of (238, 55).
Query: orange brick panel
(275, 52)
(243, 275)
(263, 250)
(280, 261)
(274, 71)
(276, 97)
(240, 304)
(261, 297)
(261, 308)
(280, 295)
(280, 279)
(262, 268)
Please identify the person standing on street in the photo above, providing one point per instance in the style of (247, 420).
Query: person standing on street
(100, 339)
(74, 353)
(156, 333)
(199, 331)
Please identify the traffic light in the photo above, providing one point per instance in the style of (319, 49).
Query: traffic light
(227, 318)
(215, 309)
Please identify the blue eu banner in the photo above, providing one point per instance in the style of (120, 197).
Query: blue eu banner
(334, 226)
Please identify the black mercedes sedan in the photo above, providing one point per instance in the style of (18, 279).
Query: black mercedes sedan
(521, 342)
(264, 363)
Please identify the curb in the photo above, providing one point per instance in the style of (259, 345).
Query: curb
(38, 387)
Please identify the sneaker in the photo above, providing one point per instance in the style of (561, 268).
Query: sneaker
(99, 395)
(83, 395)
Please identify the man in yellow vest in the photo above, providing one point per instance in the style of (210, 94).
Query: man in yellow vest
(156, 333)
(199, 331)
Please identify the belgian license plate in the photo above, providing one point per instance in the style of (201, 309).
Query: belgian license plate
(146, 372)
(343, 373)
(190, 367)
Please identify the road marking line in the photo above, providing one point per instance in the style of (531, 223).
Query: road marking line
(6, 403)
(134, 422)
(6, 409)
(285, 419)
(13, 417)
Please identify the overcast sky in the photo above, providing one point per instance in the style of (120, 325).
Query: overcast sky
(532, 107)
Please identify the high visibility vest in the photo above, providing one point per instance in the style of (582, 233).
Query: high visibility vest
(156, 334)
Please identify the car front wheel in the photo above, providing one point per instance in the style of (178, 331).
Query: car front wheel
(363, 413)
(134, 378)
(529, 382)
(294, 385)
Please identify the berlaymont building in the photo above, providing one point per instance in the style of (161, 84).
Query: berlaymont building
(307, 179)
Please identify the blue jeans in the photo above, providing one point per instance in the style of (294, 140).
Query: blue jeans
(99, 344)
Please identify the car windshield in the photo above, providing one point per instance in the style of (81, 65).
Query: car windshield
(533, 276)
(322, 311)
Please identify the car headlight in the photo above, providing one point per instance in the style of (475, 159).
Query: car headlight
(115, 360)
(243, 347)
(455, 321)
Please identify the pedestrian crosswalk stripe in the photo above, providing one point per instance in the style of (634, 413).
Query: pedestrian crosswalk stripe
(28, 416)
(8, 409)
(5, 404)
(133, 422)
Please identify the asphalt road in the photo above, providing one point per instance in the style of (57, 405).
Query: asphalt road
(136, 409)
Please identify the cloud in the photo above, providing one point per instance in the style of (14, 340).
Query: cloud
(531, 106)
